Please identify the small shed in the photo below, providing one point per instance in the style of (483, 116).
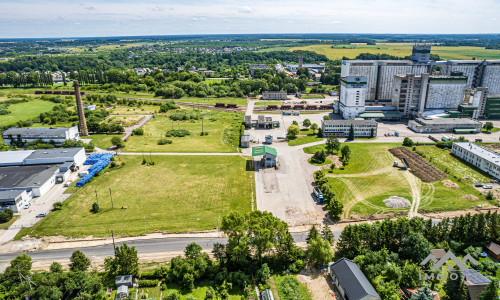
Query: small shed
(125, 280)
(438, 253)
(493, 250)
(122, 292)
(245, 141)
(270, 155)
(266, 295)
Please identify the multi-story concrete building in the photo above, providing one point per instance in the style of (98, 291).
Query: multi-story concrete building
(421, 54)
(479, 73)
(274, 96)
(413, 94)
(294, 67)
(442, 125)
(352, 96)
(486, 160)
(492, 107)
(17, 135)
(341, 128)
(262, 68)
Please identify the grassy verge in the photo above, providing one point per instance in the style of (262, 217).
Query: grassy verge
(326, 162)
(103, 141)
(176, 194)
(25, 111)
(7, 224)
(268, 103)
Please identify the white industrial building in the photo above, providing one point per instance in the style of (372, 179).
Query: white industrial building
(14, 199)
(16, 135)
(353, 91)
(341, 128)
(413, 94)
(36, 171)
(274, 96)
(486, 160)
(442, 125)
(479, 73)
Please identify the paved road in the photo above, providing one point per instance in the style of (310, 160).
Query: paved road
(143, 247)
(128, 130)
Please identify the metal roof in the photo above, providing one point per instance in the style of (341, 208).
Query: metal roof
(245, 138)
(353, 281)
(491, 156)
(475, 277)
(10, 194)
(62, 153)
(36, 131)
(381, 114)
(14, 157)
(493, 248)
(261, 150)
(26, 176)
(349, 122)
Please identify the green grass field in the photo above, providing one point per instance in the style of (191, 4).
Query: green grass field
(103, 141)
(212, 101)
(25, 111)
(200, 291)
(176, 194)
(351, 51)
(222, 128)
(126, 121)
(369, 178)
(127, 110)
(305, 136)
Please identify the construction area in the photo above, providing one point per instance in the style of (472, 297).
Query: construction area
(418, 166)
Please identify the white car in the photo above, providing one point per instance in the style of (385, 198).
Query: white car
(487, 186)
(68, 183)
(27, 205)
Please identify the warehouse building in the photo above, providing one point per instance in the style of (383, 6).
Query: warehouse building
(36, 171)
(486, 160)
(262, 68)
(341, 128)
(295, 67)
(479, 73)
(17, 135)
(14, 199)
(413, 94)
(442, 125)
(274, 96)
(353, 91)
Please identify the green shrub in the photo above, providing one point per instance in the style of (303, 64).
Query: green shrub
(177, 133)
(148, 283)
(6, 215)
(164, 141)
(319, 157)
(138, 131)
(95, 208)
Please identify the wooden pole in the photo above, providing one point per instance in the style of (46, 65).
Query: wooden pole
(111, 196)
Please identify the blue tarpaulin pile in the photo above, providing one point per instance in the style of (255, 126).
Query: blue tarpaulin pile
(98, 162)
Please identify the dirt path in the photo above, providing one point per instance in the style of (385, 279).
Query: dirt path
(366, 174)
(416, 189)
(318, 283)
(357, 198)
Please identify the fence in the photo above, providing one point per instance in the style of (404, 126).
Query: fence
(98, 162)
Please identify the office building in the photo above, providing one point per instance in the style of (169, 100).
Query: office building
(353, 91)
(484, 159)
(341, 128)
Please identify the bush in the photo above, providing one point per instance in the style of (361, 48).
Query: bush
(148, 283)
(164, 141)
(204, 133)
(319, 157)
(6, 215)
(297, 266)
(407, 142)
(138, 131)
(178, 133)
(290, 288)
(95, 208)
(58, 205)
(184, 116)
(117, 141)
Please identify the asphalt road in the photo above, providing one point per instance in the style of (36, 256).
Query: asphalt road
(142, 247)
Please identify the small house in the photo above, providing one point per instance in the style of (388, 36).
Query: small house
(122, 292)
(270, 156)
(351, 283)
(125, 280)
(476, 283)
(493, 250)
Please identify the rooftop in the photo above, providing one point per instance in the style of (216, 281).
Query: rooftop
(261, 150)
(352, 280)
(26, 176)
(14, 157)
(36, 131)
(493, 248)
(490, 156)
(441, 121)
(9, 194)
(54, 153)
(473, 277)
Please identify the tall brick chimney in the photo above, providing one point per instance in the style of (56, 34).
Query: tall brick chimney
(82, 123)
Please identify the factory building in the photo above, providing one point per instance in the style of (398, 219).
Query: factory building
(479, 73)
(36, 171)
(421, 54)
(14, 199)
(274, 96)
(442, 125)
(352, 96)
(294, 67)
(17, 135)
(341, 128)
(413, 94)
(486, 160)
(253, 68)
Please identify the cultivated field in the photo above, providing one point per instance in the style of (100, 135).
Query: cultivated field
(176, 194)
(370, 178)
(351, 51)
(25, 111)
(222, 127)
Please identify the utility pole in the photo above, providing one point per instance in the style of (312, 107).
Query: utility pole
(202, 126)
(96, 199)
(111, 196)
(144, 224)
(114, 246)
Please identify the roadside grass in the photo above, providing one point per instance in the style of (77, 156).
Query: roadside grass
(495, 129)
(445, 52)
(305, 294)
(453, 166)
(305, 136)
(212, 101)
(222, 127)
(129, 110)
(370, 178)
(312, 96)
(176, 194)
(25, 111)
(126, 121)
(10, 222)
(103, 141)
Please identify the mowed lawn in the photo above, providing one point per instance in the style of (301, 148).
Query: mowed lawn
(370, 178)
(25, 111)
(103, 141)
(176, 194)
(222, 127)
(130, 110)
(351, 51)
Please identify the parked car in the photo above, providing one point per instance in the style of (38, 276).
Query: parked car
(487, 186)
(68, 183)
(478, 185)
(41, 215)
(27, 205)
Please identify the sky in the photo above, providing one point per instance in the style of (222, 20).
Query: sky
(62, 18)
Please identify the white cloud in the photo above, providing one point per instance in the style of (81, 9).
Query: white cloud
(245, 10)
